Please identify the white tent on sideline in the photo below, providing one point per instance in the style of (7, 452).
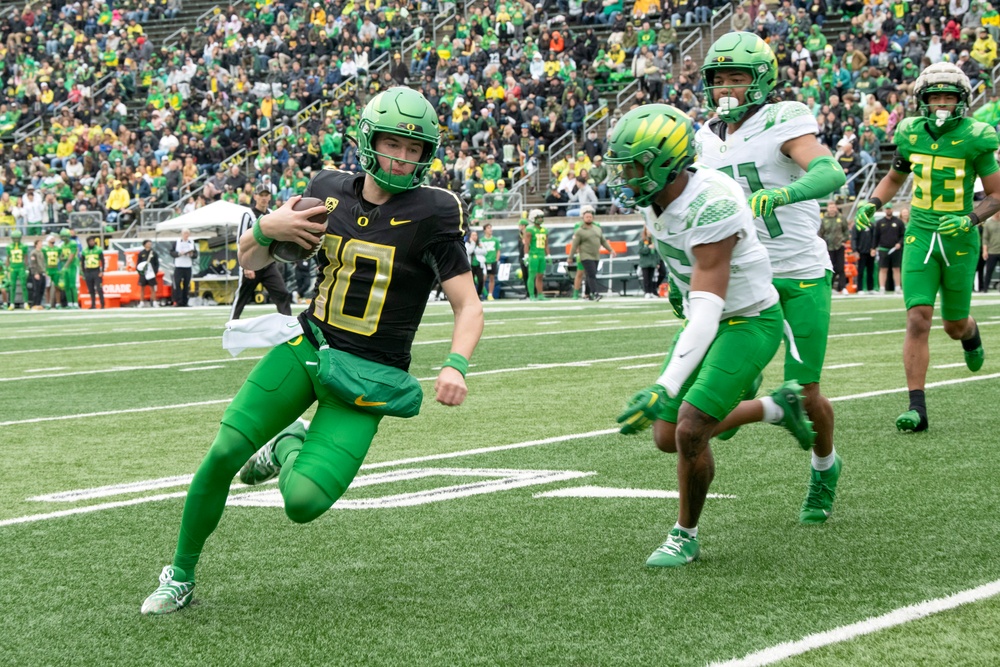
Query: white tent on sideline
(217, 214)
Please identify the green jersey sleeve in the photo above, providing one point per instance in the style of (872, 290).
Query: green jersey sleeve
(986, 141)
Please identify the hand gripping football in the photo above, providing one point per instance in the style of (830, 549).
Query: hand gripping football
(290, 251)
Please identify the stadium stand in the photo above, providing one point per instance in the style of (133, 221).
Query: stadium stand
(129, 115)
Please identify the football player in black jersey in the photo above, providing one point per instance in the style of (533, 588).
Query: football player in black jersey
(387, 237)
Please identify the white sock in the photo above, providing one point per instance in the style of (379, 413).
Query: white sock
(821, 463)
(693, 532)
(772, 411)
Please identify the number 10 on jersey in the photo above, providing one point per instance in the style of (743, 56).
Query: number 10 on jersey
(331, 295)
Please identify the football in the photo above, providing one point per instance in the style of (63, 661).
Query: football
(289, 251)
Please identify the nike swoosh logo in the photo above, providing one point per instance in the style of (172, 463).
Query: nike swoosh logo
(732, 322)
(955, 143)
(361, 402)
(395, 222)
(292, 325)
(959, 253)
(804, 285)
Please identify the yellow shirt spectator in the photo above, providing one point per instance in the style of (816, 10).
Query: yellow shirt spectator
(645, 7)
(456, 112)
(984, 51)
(318, 15)
(66, 146)
(496, 92)
(119, 199)
(879, 118)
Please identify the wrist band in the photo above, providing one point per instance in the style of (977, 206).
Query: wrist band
(458, 362)
(974, 219)
(259, 236)
(878, 202)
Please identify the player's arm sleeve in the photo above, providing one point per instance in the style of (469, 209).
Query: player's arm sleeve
(986, 162)
(445, 250)
(823, 176)
(704, 309)
(901, 160)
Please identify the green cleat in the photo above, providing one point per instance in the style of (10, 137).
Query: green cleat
(912, 421)
(789, 397)
(749, 394)
(974, 358)
(264, 465)
(679, 549)
(818, 505)
(171, 595)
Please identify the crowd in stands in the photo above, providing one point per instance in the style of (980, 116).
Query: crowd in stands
(285, 81)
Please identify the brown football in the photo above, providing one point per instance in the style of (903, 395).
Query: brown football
(289, 251)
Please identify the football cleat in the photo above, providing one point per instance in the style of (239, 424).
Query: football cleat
(818, 505)
(749, 394)
(974, 358)
(789, 397)
(264, 465)
(170, 595)
(679, 549)
(912, 421)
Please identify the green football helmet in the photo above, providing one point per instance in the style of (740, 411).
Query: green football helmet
(943, 77)
(16, 234)
(65, 233)
(403, 112)
(649, 147)
(743, 51)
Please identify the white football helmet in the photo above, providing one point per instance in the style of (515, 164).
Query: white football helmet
(943, 77)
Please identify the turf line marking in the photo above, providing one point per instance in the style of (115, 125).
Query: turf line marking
(929, 385)
(90, 508)
(960, 364)
(836, 366)
(629, 368)
(198, 368)
(890, 331)
(46, 350)
(108, 413)
(847, 632)
(113, 490)
(119, 369)
(45, 370)
(858, 319)
(606, 492)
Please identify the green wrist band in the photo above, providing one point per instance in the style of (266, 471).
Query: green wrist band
(824, 175)
(259, 236)
(458, 362)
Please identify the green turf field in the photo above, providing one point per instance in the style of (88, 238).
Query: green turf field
(494, 533)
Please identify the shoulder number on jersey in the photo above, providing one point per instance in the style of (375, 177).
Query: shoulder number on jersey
(748, 172)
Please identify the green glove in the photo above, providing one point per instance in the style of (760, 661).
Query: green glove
(763, 202)
(642, 410)
(951, 225)
(676, 299)
(863, 216)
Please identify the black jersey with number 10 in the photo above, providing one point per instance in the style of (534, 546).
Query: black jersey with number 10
(378, 264)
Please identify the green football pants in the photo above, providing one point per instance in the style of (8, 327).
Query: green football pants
(314, 473)
(19, 276)
(71, 284)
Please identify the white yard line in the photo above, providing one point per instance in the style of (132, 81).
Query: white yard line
(199, 368)
(47, 350)
(960, 364)
(120, 369)
(46, 370)
(636, 366)
(838, 366)
(845, 633)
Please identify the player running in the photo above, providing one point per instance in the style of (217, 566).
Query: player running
(17, 272)
(386, 237)
(771, 150)
(945, 152)
(705, 233)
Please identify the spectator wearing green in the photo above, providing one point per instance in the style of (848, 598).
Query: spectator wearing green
(815, 42)
(649, 259)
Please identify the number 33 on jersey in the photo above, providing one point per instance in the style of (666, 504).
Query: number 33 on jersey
(378, 264)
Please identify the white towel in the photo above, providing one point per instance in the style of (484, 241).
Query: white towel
(264, 331)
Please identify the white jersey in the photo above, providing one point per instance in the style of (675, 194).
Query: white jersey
(712, 208)
(752, 155)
